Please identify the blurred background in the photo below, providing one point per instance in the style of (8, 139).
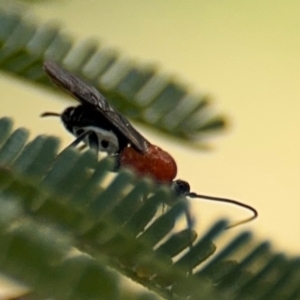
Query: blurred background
(245, 54)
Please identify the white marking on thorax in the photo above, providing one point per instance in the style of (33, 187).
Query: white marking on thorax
(105, 137)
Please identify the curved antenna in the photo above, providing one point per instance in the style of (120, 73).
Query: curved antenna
(231, 201)
(50, 114)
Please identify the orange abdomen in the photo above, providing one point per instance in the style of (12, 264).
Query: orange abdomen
(155, 163)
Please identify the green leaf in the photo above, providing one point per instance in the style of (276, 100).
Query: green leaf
(51, 205)
(139, 91)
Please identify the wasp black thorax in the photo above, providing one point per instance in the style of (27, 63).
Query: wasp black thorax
(85, 121)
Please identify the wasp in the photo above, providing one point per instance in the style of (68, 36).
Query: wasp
(99, 126)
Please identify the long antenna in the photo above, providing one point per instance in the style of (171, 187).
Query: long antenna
(231, 201)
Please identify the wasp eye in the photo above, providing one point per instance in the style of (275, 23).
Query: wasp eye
(104, 144)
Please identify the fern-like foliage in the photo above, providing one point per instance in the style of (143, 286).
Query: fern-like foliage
(52, 203)
(141, 92)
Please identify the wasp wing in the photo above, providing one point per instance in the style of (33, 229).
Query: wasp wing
(88, 95)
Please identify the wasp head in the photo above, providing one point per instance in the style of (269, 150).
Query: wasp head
(67, 117)
(180, 187)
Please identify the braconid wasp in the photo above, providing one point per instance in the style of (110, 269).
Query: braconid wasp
(102, 128)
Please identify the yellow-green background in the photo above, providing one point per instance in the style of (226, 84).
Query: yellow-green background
(246, 54)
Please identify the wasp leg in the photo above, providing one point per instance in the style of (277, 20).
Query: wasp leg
(94, 142)
(79, 139)
(82, 147)
(190, 225)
